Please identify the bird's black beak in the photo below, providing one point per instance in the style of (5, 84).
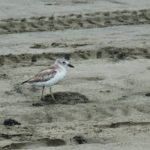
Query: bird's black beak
(70, 65)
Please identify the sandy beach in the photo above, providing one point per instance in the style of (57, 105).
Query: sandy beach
(103, 103)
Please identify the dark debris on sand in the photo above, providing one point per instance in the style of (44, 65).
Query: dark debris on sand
(147, 94)
(11, 122)
(79, 139)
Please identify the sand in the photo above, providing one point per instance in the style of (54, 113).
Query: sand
(103, 103)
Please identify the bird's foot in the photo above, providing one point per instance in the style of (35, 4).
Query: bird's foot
(53, 98)
(42, 99)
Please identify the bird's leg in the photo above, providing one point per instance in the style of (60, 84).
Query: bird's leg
(42, 92)
(52, 94)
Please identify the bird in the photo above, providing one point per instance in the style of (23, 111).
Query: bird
(50, 76)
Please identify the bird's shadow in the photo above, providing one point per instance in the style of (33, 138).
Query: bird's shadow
(67, 98)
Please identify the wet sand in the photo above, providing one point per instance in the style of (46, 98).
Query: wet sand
(103, 103)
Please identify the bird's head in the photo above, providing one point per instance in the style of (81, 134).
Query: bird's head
(63, 62)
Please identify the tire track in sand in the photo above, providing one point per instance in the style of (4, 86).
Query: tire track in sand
(75, 21)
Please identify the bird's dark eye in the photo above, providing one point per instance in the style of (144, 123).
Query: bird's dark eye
(64, 62)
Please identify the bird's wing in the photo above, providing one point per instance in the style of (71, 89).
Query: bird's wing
(43, 75)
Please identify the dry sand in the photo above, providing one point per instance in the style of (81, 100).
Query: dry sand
(103, 103)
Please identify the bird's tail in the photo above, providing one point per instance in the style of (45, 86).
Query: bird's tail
(24, 82)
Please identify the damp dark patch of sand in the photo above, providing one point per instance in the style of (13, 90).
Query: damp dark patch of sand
(74, 21)
(4, 76)
(67, 98)
(45, 142)
(58, 45)
(82, 139)
(39, 46)
(72, 45)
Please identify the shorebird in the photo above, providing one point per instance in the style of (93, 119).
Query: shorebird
(50, 76)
